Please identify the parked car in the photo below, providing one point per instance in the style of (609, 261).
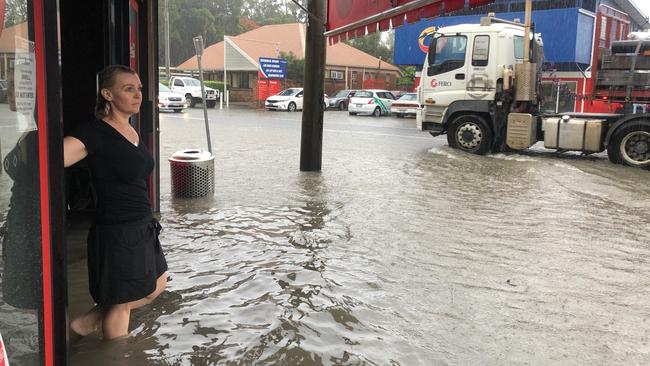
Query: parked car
(170, 101)
(290, 100)
(398, 93)
(407, 105)
(341, 99)
(372, 102)
(191, 89)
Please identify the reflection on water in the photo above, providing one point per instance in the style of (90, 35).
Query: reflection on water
(401, 252)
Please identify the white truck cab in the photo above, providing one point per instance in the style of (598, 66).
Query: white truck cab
(191, 89)
(463, 67)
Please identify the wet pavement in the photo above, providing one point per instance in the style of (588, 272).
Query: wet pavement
(400, 252)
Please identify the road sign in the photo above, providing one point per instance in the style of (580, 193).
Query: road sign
(273, 68)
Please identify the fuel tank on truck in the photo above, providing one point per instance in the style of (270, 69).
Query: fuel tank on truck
(570, 133)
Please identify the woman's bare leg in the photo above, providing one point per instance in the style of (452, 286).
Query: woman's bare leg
(161, 284)
(88, 322)
(116, 320)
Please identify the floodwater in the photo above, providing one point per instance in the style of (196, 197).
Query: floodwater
(400, 252)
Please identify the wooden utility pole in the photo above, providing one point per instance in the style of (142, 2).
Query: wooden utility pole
(311, 144)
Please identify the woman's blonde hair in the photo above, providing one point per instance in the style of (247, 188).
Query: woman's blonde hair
(105, 80)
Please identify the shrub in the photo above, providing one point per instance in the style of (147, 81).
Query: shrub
(214, 85)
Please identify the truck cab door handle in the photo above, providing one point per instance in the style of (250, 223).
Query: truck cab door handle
(460, 76)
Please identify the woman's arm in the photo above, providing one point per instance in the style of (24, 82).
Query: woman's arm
(73, 151)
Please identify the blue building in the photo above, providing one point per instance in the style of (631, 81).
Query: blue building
(573, 31)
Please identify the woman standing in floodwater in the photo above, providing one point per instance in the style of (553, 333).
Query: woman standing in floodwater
(126, 265)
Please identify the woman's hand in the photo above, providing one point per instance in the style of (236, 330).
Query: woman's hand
(73, 151)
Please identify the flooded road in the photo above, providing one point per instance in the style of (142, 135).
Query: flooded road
(400, 252)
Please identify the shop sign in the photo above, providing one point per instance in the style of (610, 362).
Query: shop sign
(272, 68)
(25, 84)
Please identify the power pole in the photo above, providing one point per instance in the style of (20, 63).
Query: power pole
(311, 143)
(167, 39)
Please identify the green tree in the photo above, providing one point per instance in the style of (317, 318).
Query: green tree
(15, 12)
(266, 12)
(295, 67)
(408, 76)
(373, 44)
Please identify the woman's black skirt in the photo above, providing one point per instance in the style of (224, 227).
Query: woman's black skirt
(124, 261)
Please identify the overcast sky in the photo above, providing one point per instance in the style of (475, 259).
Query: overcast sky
(643, 5)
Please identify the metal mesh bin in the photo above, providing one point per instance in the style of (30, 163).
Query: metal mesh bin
(192, 173)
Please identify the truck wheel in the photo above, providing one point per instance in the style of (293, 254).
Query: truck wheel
(291, 107)
(470, 133)
(377, 112)
(189, 100)
(210, 103)
(342, 106)
(630, 145)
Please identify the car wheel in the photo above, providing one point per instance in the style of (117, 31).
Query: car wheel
(352, 113)
(324, 106)
(291, 107)
(189, 100)
(630, 145)
(470, 133)
(178, 110)
(377, 112)
(342, 106)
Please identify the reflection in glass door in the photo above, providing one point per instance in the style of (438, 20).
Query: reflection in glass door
(21, 298)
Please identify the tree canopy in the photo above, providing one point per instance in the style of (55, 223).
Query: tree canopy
(213, 19)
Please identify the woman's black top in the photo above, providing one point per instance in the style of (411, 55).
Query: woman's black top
(119, 170)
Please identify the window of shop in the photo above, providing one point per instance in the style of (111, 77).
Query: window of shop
(337, 75)
(21, 275)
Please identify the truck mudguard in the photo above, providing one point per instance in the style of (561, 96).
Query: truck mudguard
(642, 118)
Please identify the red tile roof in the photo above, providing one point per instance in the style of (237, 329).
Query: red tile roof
(269, 40)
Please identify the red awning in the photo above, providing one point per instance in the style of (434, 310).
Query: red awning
(348, 19)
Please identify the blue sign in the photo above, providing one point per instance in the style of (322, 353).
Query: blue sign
(273, 68)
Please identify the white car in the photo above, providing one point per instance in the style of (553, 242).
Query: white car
(289, 99)
(372, 102)
(170, 101)
(407, 105)
(191, 89)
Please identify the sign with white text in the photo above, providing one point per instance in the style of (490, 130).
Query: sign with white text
(272, 68)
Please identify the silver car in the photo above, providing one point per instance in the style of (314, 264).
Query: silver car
(341, 99)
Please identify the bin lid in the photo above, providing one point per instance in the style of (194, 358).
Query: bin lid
(189, 155)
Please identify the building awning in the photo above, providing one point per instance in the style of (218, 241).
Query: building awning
(347, 19)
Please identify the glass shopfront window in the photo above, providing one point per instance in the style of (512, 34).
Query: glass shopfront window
(21, 295)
